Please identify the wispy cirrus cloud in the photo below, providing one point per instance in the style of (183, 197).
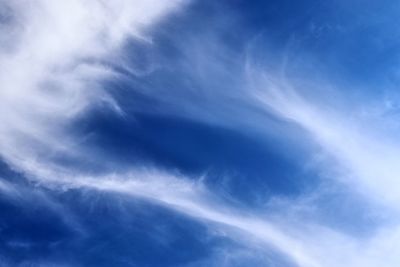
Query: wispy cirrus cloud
(361, 155)
(55, 62)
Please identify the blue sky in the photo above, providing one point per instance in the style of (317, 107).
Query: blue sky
(199, 133)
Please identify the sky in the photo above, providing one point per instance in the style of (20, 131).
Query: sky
(189, 133)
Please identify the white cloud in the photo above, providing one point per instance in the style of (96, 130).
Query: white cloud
(357, 142)
(362, 156)
(50, 76)
(51, 70)
(190, 198)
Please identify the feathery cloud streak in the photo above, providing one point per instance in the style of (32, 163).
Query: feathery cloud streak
(53, 65)
(56, 61)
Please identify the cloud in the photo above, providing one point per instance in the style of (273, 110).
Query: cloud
(361, 156)
(56, 57)
(59, 53)
(190, 198)
(356, 141)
